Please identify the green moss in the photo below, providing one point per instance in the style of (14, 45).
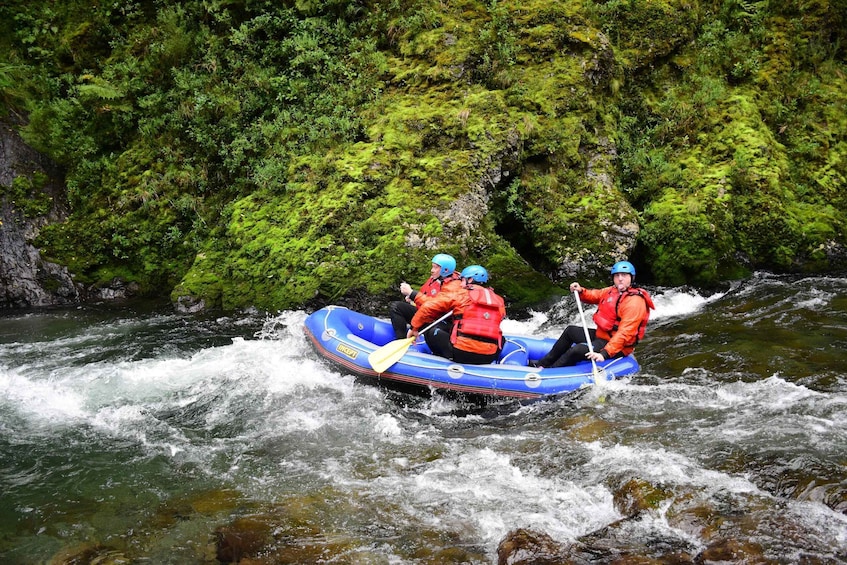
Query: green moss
(517, 280)
(282, 155)
(27, 195)
(644, 32)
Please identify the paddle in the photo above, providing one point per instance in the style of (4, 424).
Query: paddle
(385, 356)
(595, 372)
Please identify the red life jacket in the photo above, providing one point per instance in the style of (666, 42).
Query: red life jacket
(431, 287)
(607, 317)
(481, 319)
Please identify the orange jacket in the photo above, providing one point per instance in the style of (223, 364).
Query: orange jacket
(633, 310)
(455, 298)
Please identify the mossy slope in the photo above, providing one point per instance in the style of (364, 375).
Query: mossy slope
(276, 156)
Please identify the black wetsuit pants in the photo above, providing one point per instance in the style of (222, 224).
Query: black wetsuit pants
(401, 313)
(571, 347)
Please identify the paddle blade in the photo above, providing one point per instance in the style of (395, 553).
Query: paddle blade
(382, 358)
(598, 374)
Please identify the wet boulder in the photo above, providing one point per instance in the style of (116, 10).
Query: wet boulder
(527, 547)
(635, 496)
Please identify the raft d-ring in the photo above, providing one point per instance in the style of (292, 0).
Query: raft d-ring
(455, 371)
(532, 380)
(361, 326)
(328, 334)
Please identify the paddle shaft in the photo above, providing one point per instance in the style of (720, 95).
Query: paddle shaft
(587, 335)
(438, 321)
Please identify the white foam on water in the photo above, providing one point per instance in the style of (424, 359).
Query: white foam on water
(819, 298)
(43, 402)
(135, 400)
(660, 466)
(675, 302)
(523, 327)
(388, 427)
(774, 393)
(484, 493)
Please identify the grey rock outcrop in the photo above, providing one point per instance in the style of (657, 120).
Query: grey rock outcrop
(26, 279)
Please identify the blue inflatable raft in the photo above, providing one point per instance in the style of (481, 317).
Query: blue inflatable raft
(346, 338)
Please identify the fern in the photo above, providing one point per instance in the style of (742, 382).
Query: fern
(99, 89)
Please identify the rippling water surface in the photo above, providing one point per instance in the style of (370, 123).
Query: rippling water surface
(137, 433)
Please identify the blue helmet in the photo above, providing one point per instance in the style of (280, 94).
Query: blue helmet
(623, 267)
(476, 273)
(446, 262)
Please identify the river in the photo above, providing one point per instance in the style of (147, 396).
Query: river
(132, 434)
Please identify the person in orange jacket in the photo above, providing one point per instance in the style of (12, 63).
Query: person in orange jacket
(400, 312)
(621, 319)
(473, 335)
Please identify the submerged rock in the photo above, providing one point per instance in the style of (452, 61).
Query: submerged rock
(662, 525)
(90, 554)
(245, 537)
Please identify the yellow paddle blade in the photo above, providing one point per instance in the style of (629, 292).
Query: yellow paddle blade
(598, 375)
(382, 358)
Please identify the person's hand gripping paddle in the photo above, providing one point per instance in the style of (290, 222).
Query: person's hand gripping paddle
(596, 372)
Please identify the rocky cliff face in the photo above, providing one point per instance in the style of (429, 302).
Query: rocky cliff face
(26, 279)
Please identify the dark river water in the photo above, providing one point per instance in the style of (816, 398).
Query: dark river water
(135, 435)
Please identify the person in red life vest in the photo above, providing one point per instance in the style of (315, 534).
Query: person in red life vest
(473, 335)
(621, 319)
(400, 312)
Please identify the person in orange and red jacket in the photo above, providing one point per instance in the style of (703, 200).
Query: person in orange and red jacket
(473, 336)
(621, 319)
(400, 312)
